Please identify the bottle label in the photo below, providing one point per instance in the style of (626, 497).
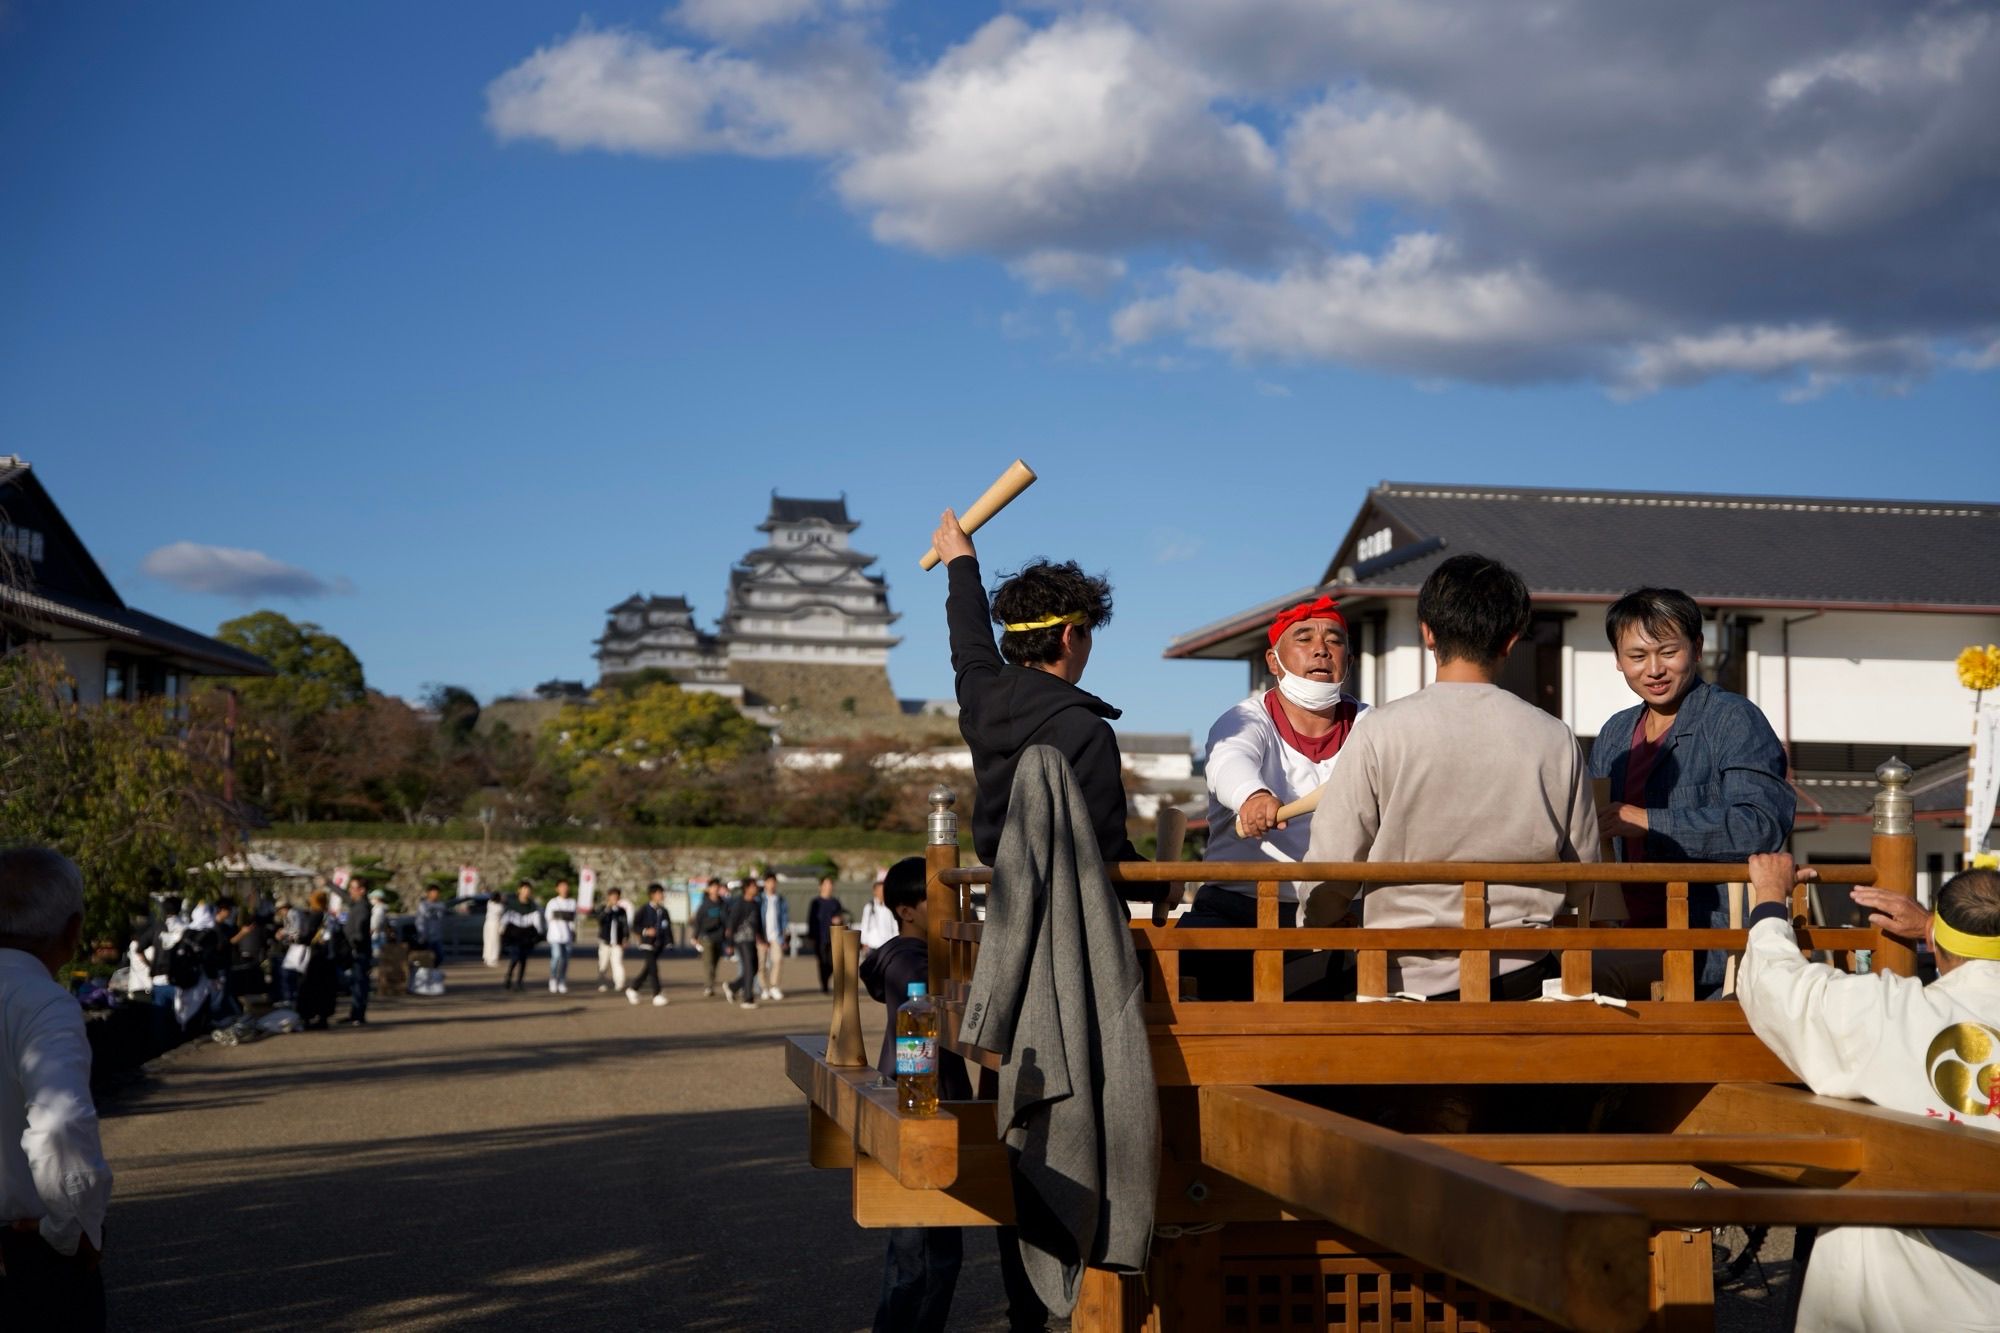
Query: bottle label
(916, 1055)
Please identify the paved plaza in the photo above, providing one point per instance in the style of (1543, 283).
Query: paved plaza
(492, 1160)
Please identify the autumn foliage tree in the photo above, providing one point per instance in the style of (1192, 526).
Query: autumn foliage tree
(656, 754)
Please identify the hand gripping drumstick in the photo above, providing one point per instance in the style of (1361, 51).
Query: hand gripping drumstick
(1172, 835)
(1305, 805)
(1017, 478)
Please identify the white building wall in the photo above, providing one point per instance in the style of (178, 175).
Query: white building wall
(1872, 677)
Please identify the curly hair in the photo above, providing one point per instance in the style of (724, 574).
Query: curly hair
(1040, 590)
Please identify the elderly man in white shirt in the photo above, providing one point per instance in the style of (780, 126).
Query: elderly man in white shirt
(1891, 1040)
(55, 1183)
(1263, 754)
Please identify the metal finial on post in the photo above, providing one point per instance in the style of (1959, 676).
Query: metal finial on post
(1894, 813)
(944, 820)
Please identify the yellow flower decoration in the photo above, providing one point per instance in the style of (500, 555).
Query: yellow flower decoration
(1979, 668)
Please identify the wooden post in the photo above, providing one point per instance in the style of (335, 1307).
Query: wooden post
(1677, 968)
(1267, 977)
(1475, 966)
(940, 855)
(844, 1045)
(1893, 849)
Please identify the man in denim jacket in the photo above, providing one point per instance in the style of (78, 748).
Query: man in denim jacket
(1696, 772)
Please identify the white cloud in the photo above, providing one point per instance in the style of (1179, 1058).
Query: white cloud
(1453, 190)
(1416, 309)
(229, 571)
(1083, 135)
(620, 91)
(1066, 270)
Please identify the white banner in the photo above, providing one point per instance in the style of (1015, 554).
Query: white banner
(586, 888)
(468, 880)
(1985, 789)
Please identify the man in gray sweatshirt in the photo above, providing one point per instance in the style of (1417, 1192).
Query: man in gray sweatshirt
(1462, 770)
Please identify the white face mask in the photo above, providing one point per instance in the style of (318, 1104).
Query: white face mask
(1312, 695)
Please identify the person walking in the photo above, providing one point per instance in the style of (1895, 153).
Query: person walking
(319, 974)
(54, 1181)
(822, 917)
(520, 931)
(740, 925)
(774, 920)
(656, 930)
(560, 915)
(706, 926)
(614, 929)
(360, 931)
(496, 925)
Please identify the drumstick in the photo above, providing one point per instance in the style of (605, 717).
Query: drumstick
(1305, 805)
(1017, 478)
(1171, 836)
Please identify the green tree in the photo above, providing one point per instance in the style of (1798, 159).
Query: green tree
(316, 671)
(544, 867)
(129, 791)
(657, 754)
(457, 710)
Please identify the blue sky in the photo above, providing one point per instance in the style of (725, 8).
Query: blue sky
(481, 353)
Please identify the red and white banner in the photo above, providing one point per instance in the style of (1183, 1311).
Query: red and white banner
(1982, 790)
(468, 880)
(586, 888)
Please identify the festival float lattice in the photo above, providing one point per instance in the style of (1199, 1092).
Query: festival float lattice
(1282, 1204)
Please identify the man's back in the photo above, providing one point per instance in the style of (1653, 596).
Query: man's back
(1455, 772)
(45, 1099)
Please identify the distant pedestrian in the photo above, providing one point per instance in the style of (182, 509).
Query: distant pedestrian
(614, 928)
(560, 914)
(878, 923)
(430, 925)
(495, 927)
(706, 928)
(741, 926)
(656, 930)
(774, 929)
(54, 1182)
(319, 979)
(823, 917)
(520, 931)
(360, 930)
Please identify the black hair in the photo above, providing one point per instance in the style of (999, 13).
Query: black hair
(1659, 611)
(654, 888)
(1473, 606)
(1040, 590)
(1970, 901)
(903, 886)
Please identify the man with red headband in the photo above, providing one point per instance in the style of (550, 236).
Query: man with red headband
(1264, 753)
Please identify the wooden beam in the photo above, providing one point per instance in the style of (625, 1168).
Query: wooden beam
(1810, 1207)
(1562, 1253)
(1436, 872)
(1181, 1060)
(880, 1200)
(1901, 1151)
(920, 1151)
(1839, 1154)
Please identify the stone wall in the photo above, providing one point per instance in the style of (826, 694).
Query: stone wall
(629, 868)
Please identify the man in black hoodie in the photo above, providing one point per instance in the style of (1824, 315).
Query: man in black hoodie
(1025, 693)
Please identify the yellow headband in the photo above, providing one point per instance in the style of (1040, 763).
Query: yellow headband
(1047, 622)
(1957, 941)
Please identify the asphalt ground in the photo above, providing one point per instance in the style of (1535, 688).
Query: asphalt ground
(497, 1160)
(519, 1161)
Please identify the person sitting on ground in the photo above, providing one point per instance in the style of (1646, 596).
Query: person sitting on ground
(1900, 1044)
(1696, 774)
(1264, 753)
(1025, 692)
(823, 917)
(54, 1182)
(655, 930)
(921, 1270)
(1462, 770)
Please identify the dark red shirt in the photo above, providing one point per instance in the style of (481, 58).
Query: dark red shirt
(1645, 904)
(1319, 749)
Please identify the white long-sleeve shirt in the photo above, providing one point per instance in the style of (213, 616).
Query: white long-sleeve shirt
(54, 1168)
(1900, 1044)
(1246, 755)
(561, 931)
(878, 925)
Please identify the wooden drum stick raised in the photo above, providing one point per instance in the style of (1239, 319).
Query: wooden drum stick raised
(1017, 478)
(1305, 805)
(1172, 836)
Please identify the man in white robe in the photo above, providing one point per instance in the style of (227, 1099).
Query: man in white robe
(1931, 1050)
(1264, 753)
